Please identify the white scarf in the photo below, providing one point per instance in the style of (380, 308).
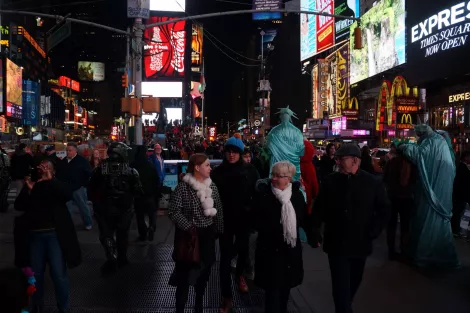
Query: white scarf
(288, 218)
(204, 193)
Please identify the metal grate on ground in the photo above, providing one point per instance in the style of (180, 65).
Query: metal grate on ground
(142, 287)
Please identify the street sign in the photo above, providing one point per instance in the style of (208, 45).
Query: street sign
(138, 9)
(257, 123)
(59, 35)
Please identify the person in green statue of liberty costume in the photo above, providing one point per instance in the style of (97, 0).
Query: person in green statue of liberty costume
(286, 142)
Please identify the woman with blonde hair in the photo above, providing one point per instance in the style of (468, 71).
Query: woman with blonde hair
(95, 160)
(278, 213)
(196, 210)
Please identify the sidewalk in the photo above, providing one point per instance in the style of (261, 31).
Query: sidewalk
(388, 287)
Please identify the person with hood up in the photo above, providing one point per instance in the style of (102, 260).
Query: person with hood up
(309, 174)
(236, 181)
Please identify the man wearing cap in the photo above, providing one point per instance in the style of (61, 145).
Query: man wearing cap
(354, 207)
(236, 181)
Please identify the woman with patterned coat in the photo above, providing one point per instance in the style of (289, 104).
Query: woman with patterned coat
(195, 208)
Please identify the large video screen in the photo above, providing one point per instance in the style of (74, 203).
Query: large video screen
(163, 89)
(168, 5)
(308, 30)
(345, 8)
(90, 71)
(383, 40)
(14, 75)
(164, 49)
(266, 5)
(437, 39)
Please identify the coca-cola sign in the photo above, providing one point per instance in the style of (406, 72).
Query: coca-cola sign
(164, 48)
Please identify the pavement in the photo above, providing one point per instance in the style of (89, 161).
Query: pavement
(388, 286)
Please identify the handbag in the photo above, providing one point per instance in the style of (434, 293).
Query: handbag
(186, 247)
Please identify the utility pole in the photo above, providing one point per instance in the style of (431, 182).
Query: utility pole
(262, 77)
(202, 105)
(138, 32)
(126, 92)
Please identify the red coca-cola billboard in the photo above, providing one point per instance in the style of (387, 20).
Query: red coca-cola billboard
(164, 48)
(325, 25)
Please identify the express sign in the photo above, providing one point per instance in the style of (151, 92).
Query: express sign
(438, 39)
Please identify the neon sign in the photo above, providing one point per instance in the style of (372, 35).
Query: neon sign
(386, 103)
(31, 40)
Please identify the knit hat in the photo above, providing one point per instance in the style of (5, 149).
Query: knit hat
(236, 143)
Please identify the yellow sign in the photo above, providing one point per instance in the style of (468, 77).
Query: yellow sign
(459, 97)
(406, 118)
(5, 42)
(387, 95)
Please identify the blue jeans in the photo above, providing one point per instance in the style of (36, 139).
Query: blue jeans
(79, 197)
(44, 248)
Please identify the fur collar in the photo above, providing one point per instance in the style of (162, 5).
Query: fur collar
(204, 193)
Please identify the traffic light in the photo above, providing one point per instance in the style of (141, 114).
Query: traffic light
(124, 81)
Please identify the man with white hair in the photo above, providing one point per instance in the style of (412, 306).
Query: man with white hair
(354, 207)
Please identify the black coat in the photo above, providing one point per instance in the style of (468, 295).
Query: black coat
(21, 165)
(75, 173)
(461, 191)
(354, 209)
(276, 262)
(236, 184)
(47, 198)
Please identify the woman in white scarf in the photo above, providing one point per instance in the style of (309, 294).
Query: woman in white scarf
(278, 213)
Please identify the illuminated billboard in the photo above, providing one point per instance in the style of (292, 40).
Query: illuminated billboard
(266, 5)
(164, 49)
(383, 39)
(168, 5)
(437, 39)
(90, 71)
(345, 8)
(308, 30)
(14, 74)
(163, 89)
(196, 45)
(31, 95)
(325, 25)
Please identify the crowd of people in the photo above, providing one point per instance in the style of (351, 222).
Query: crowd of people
(337, 202)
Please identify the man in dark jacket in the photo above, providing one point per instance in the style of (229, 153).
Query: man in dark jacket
(461, 193)
(146, 205)
(21, 165)
(400, 178)
(51, 155)
(236, 181)
(354, 207)
(76, 171)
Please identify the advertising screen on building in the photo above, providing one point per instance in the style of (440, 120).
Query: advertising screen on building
(91, 71)
(308, 30)
(383, 40)
(315, 104)
(345, 8)
(1, 86)
(168, 5)
(332, 61)
(437, 39)
(14, 75)
(266, 5)
(31, 98)
(342, 86)
(325, 25)
(196, 46)
(164, 49)
(163, 89)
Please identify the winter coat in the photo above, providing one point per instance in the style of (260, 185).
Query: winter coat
(21, 164)
(355, 209)
(327, 165)
(309, 174)
(75, 173)
(275, 261)
(461, 192)
(45, 207)
(236, 184)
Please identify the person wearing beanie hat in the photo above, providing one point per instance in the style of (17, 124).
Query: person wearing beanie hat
(236, 182)
(354, 206)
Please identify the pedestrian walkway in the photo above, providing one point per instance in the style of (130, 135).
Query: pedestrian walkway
(142, 287)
